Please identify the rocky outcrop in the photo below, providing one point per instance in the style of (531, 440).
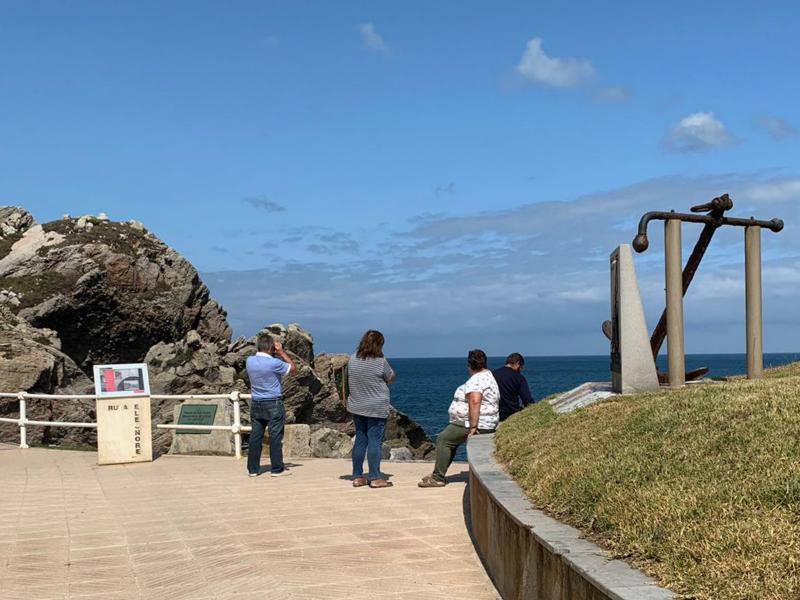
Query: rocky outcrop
(14, 221)
(330, 443)
(82, 291)
(311, 394)
(31, 360)
(110, 290)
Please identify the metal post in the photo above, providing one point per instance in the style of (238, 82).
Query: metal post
(674, 280)
(752, 269)
(237, 425)
(23, 420)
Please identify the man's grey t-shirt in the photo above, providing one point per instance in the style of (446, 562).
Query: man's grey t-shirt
(369, 390)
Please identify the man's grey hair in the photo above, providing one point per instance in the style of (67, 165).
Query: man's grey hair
(265, 343)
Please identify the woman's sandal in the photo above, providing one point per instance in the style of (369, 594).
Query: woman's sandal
(380, 483)
(359, 482)
(430, 482)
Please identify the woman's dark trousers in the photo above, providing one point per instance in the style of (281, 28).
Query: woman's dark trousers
(269, 416)
(369, 442)
(447, 442)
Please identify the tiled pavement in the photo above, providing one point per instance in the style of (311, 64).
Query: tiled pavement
(198, 527)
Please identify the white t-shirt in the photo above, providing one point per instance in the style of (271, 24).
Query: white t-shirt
(484, 383)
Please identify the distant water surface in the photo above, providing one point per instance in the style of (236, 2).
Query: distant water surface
(425, 386)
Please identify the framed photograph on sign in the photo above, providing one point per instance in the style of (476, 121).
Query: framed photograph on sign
(121, 381)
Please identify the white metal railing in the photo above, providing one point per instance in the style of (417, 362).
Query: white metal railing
(236, 428)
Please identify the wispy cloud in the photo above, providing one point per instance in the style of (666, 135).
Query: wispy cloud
(538, 273)
(264, 203)
(537, 66)
(333, 243)
(697, 132)
(450, 188)
(372, 39)
(614, 93)
(777, 128)
(775, 191)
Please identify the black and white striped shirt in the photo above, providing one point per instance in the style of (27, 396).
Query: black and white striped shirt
(368, 379)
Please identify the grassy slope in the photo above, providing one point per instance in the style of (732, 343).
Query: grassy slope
(699, 487)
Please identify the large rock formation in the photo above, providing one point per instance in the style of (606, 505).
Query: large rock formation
(77, 292)
(110, 290)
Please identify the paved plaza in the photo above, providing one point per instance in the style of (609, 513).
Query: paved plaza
(198, 527)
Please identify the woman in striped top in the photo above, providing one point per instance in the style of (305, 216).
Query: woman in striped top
(369, 376)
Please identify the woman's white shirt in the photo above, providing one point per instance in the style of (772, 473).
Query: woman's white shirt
(484, 383)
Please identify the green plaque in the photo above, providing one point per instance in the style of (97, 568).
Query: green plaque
(196, 414)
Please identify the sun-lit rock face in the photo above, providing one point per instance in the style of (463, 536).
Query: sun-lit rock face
(110, 290)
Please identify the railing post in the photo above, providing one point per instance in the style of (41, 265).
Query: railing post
(23, 419)
(237, 425)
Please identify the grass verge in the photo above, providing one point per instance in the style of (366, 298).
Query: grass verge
(698, 487)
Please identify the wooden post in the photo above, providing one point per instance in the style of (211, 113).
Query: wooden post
(752, 269)
(674, 280)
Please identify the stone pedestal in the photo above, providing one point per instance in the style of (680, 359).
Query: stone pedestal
(214, 442)
(297, 441)
(124, 433)
(632, 366)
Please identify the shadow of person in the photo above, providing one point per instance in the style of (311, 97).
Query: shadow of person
(386, 476)
(462, 477)
(287, 465)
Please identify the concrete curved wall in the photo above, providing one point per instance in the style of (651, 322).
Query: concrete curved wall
(534, 557)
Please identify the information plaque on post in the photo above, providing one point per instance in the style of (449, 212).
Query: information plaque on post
(124, 432)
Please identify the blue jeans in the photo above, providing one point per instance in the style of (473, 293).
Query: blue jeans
(369, 439)
(270, 416)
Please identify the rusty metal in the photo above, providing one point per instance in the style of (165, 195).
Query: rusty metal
(712, 220)
(641, 243)
(716, 208)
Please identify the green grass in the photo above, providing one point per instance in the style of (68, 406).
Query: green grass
(699, 487)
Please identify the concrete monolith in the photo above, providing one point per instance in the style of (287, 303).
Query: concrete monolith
(632, 366)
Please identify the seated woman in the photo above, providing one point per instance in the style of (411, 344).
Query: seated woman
(475, 409)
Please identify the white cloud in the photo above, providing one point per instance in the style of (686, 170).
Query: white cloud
(557, 72)
(777, 128)
(698, 131)
(783, 189)
(372, 39)
(614, 93)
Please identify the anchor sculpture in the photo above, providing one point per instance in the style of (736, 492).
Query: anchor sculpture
(677, 281)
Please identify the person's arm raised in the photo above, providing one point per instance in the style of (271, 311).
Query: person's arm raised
(285, 358)
(474, 399)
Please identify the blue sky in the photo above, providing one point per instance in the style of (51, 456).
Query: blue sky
(453, 173)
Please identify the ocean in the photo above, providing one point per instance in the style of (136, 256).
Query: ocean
(425, 386)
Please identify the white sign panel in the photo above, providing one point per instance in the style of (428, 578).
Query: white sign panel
(121, 381)
(123, 430)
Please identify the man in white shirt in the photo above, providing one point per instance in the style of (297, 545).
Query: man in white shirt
(475, 409)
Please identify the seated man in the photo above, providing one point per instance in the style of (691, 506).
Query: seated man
(475, 409)
(513, 386)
